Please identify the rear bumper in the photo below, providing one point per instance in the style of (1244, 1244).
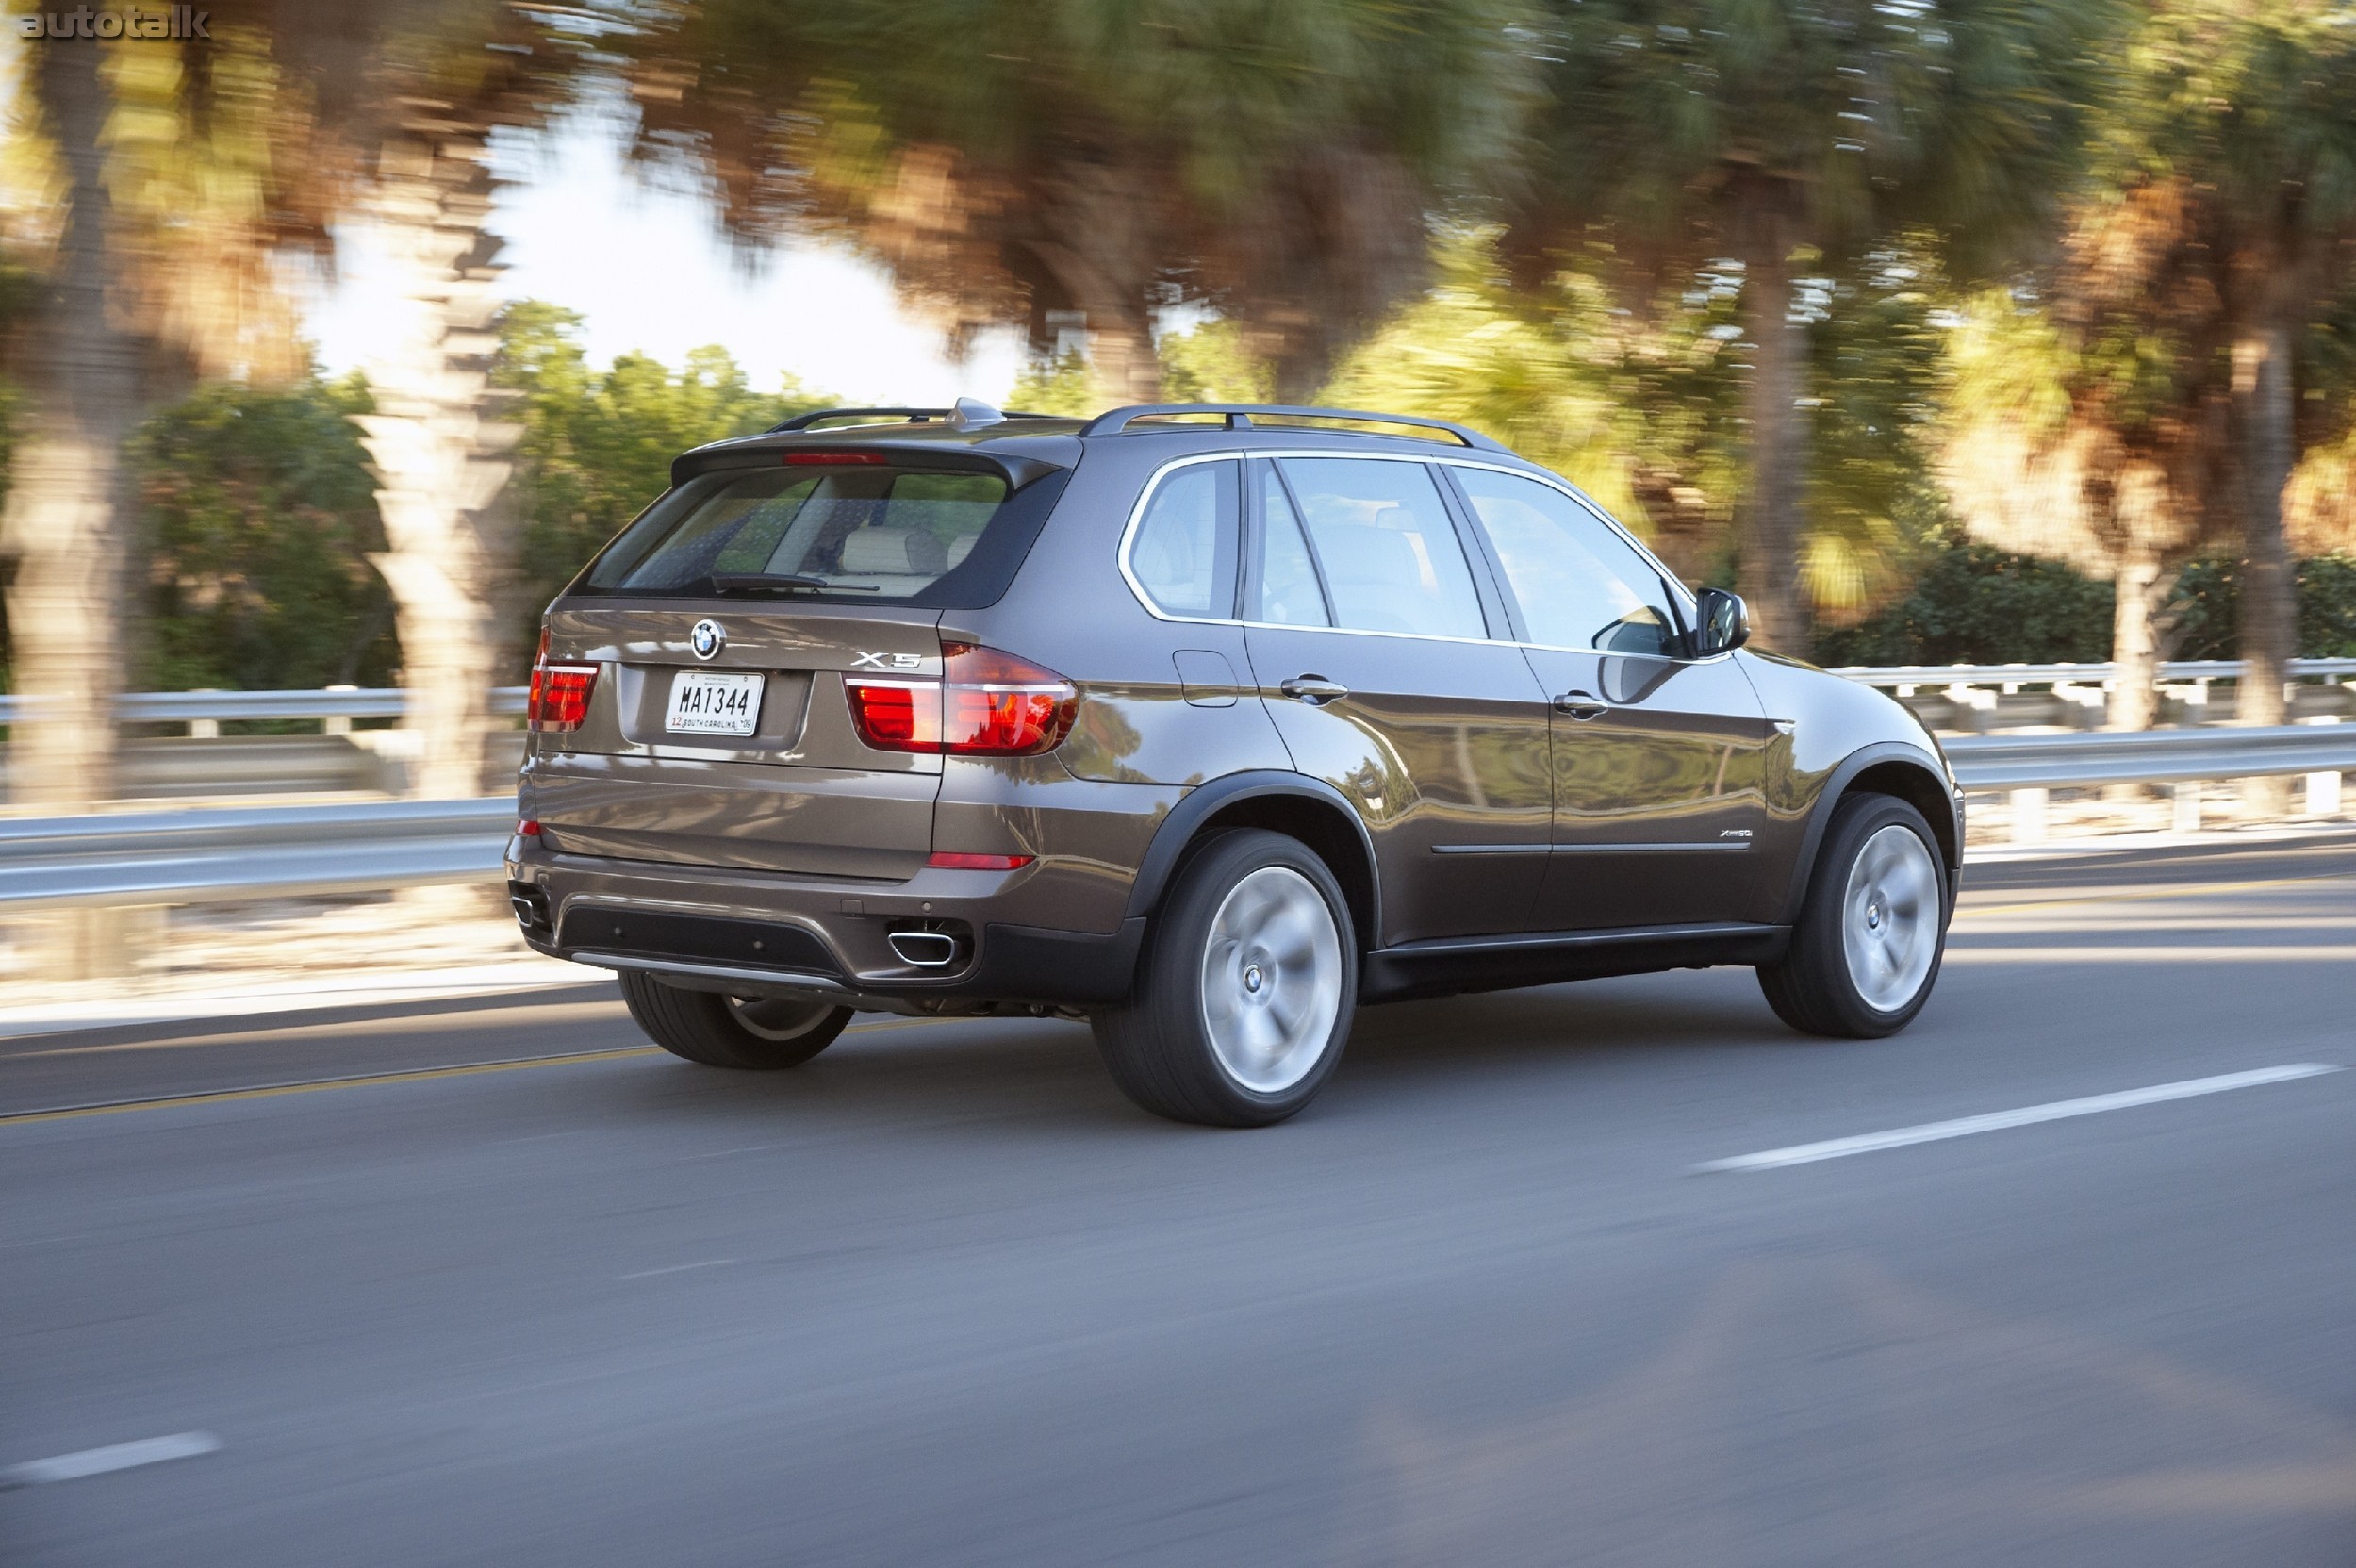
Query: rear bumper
(750, 933)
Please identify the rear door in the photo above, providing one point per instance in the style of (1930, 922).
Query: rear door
(1369, 637)
(723, 628)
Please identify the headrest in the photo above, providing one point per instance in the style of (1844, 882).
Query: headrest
(894, 552)
(1357, 553)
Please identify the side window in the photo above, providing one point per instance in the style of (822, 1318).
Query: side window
(1285, 589)
(1579, 584)
(1184, 553)
(1390, 555)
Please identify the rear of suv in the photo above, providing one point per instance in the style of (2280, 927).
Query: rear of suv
(1204, 722)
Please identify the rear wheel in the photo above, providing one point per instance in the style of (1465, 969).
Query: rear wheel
(752, 1032)
(1246, 990)
(1873, 929)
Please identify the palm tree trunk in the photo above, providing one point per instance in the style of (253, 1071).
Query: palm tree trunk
(440, 456)
(1771, 540)
(2145, 581)
(2264, 411)
(68, 509)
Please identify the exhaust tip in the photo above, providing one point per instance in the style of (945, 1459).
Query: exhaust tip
(924, 949)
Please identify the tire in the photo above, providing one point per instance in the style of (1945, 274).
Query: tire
(1246, 988)
(1873, 929)
(750, 1032)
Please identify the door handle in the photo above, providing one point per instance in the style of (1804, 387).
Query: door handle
(1581, 705)
(1313, 689)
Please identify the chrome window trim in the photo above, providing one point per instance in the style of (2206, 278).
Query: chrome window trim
(1144, 601)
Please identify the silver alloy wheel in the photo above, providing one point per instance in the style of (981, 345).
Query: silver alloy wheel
(1889, 920)
(1272, 980)
(778, 1017)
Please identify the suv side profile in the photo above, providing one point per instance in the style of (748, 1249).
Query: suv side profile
(1205, 722)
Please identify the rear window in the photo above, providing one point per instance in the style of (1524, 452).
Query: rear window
(856, 533)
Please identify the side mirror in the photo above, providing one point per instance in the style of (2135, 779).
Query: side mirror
(1721, 623)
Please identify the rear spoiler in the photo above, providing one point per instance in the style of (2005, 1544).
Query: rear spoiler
(1019, 468)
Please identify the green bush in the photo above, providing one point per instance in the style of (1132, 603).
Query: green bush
(1971, 604)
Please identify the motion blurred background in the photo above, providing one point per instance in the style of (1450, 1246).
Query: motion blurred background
(338, 338)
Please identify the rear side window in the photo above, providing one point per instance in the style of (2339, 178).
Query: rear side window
(1389, 556)
(1184, 556)
(864, 533)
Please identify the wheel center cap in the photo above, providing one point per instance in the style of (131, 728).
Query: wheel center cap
(1873, 916)
(1252, 977)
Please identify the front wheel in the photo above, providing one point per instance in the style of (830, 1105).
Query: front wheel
(760, 1033)
(1871, 929)
(1246, 990)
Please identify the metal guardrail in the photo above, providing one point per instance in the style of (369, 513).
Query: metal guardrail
(2088, 674)
(2149, 757)
(195, 707)
(182, 857)
(189, 707)
(179, 857)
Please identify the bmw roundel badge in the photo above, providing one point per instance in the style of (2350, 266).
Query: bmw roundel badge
(707, 639)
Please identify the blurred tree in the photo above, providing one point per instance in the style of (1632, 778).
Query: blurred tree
(1007, 160)
(2138, 409)
(598, 446)
(1789, 134)
(258, 520)
(2245, 110)
(1643, 410)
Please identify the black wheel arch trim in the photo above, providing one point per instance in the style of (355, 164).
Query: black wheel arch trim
(1205, 800)
(1836, 786)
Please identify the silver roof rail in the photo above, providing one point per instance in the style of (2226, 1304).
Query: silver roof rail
(1238, 416)
(969, 407)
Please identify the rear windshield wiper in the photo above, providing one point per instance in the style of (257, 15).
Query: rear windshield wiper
(760, 582)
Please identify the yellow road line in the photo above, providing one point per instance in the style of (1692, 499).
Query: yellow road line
(225, 1096)
(421, 1074)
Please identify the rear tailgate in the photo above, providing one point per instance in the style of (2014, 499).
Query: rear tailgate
(802, 792)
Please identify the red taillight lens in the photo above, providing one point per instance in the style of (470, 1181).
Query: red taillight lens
(896, 716)
(996, 705)
(991, 704)
(951, 860)
(560, 695)
(800, 457)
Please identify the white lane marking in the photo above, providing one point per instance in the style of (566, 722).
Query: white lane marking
(2218, 953)
(1996, 1121)
(680, 1268)
(119, 1456)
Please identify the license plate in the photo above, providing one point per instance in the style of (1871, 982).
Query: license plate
(707, 703)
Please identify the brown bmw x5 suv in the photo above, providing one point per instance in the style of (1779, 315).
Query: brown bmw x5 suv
(1209, 723)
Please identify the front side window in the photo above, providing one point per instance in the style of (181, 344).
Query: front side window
(1578, 583)
(1388, 552)
(1184, 556)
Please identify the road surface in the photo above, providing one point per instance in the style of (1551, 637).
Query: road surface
(403, 1290)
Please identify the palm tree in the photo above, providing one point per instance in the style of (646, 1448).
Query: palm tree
(1007, 161)
(1785, 135)
(2245, 109)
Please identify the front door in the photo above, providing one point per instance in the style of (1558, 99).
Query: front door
(1659, 760)
(1368, 634)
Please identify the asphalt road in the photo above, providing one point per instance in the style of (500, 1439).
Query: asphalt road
(943, 1297)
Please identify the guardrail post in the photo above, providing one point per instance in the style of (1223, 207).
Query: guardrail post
(2188, 793)
(337, 723)
(2029, 814)
(2323, 789)
(204, 729)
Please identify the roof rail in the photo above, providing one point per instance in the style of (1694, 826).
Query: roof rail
(882, 416)
(1239, 417)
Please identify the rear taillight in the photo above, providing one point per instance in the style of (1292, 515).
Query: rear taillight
(560, 693)
(988, 704)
